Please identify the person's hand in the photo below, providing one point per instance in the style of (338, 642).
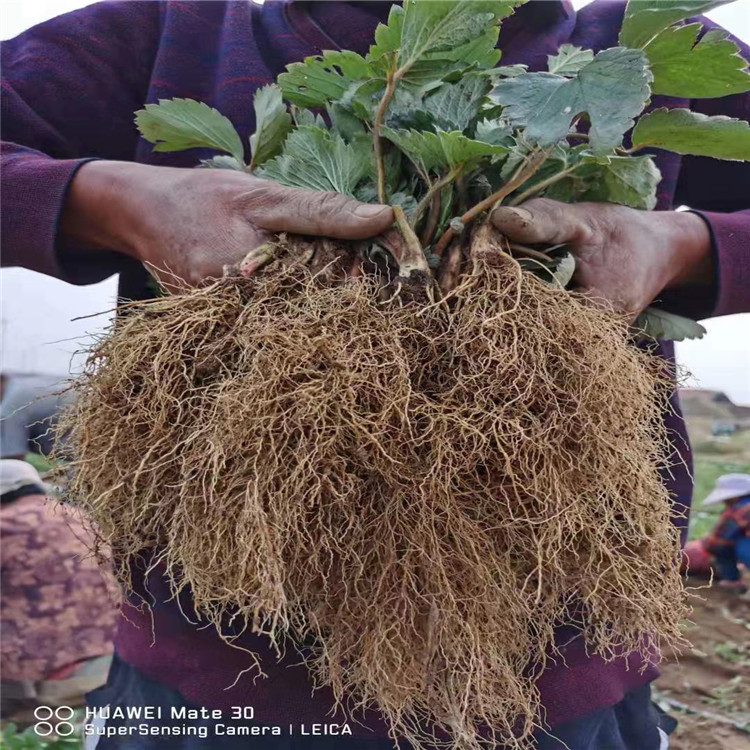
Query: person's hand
(622, 255)
(187, 224)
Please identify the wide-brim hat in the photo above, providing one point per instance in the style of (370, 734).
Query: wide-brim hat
(729, 487)
(15, 474)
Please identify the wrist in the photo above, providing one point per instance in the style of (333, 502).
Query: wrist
(691, 251)
(98, 211)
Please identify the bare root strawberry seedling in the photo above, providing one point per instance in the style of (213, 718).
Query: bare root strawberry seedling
(421, 452)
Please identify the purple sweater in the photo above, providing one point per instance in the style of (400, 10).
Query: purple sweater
(70, 88)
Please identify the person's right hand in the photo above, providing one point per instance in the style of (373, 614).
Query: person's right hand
(187, 224)
(623, 255)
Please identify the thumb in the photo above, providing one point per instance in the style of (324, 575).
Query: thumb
(282, 209)
(540, 220)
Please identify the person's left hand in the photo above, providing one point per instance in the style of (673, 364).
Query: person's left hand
(623, 255)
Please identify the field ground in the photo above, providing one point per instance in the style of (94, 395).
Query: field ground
(708, 688)
(713, 678)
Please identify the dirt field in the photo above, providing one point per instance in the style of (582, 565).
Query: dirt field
(712, 680)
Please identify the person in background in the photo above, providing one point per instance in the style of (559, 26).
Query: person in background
(729, 542)
(84, 197)
(56, 612)
(29, 405)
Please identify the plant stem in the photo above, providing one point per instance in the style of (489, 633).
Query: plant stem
(390, 89)
(451, 266)
(434, 189)
(433, 217)
(412, 257)
(528, 169)
(530, 252)
(543, 185)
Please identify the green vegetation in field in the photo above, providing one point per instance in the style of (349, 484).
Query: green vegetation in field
(41, 463)
(13, 739)
(734, 653)
(731, 696)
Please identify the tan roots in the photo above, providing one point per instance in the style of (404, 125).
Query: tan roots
(427, 492)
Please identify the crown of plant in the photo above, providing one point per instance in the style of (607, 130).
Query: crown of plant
(429, 121)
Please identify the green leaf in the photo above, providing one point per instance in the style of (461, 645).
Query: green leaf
(443, 150)
(711, 68)
(569, 60)
(496, 132)
(434, 63)
(323, 78)
(556, 269)
(408, 111)
(406, 201)
(627, 180)
(426, 75)
(395, 177)
(438, 25)
(560, 158)
(505, 71)
(272, 124)
(362, 98)
(455, 106)
(667, 326)
(630, 181)
(686, 132)
(481, 52)
(644, 19)
(320, 160)
(344, 122)
(513, 162)
(222, 162)
(181, 124)
(305, 118)
(612, 90)
(387, 37)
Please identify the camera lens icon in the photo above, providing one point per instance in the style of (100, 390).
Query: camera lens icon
(55, 720)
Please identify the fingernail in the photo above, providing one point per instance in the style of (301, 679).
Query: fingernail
(510, 212)
(369, 211)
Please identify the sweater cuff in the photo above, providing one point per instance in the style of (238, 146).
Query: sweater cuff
(34, 190)
(730, 236)
(35, 187)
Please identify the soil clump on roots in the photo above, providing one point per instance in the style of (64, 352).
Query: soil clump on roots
(424, 490)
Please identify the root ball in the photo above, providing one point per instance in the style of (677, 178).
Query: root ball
(426, 491)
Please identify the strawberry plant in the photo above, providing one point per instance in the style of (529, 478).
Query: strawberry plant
(430, 122)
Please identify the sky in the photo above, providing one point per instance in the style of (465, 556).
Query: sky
(44, 322)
